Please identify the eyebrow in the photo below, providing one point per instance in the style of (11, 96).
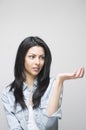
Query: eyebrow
(35, 54)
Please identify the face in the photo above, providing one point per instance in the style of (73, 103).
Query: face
(34, 61)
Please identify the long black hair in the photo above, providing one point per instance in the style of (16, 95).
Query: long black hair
(42, 78)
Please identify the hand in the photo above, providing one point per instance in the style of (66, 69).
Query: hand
(79, 73)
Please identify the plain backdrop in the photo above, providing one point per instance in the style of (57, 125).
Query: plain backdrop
(62, 24)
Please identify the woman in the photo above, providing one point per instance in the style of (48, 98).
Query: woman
(33, 100)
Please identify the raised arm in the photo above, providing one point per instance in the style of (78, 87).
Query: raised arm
(54, 99)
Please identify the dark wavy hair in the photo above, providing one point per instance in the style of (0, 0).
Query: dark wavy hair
(42, 78)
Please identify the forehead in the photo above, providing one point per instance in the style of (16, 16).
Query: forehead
(36, 50)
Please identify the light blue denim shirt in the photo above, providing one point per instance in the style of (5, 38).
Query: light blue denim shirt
(18, 119)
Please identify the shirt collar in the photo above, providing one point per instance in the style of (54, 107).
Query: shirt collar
(25, 85)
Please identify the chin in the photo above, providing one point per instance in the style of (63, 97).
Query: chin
(35, 74)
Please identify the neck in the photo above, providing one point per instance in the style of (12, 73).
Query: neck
(30, 80)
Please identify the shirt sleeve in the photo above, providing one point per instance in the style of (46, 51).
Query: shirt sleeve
(12, 121)
(58, 113)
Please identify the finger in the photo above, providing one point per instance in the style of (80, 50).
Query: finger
(85, 72)
(79, 72)
(82, 72)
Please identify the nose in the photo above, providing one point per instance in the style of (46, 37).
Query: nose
(37, 61)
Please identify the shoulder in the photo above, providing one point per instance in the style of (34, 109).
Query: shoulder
(6, 90)
(6, 93)
(50, 86)
(48, 91)
(52, 81)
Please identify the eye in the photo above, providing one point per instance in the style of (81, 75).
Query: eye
(31, 56)
(42, 57)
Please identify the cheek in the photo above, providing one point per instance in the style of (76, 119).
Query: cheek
(42, 64)
(27, 64)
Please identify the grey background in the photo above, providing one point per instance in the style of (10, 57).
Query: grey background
(62, 24)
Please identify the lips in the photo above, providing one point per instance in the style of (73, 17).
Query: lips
(36, 68)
